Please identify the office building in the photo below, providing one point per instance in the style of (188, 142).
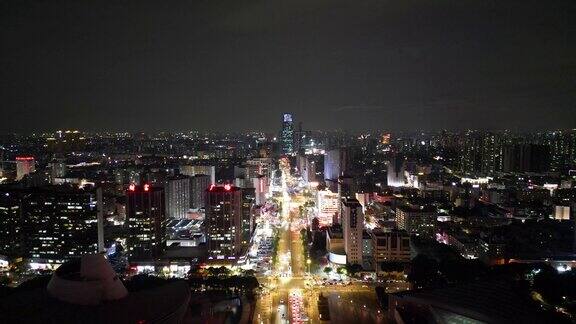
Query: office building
(389, 246)
(10, 225)
(419, 221)
(287, 134)
(177, 189)
(58, 223)
(145, 219)
(352, 228)
(223, 221)
(24, 166)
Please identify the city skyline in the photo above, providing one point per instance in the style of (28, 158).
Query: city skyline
(288, 161)
(149, 66)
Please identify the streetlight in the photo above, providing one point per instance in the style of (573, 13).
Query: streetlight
(308, 262)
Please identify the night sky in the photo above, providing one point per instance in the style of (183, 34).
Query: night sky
(235, 65)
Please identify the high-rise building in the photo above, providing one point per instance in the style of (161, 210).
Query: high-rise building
(24, 165)
(145, 219)
(481, 152)
(248, 200)
(59, 223)
(352, 227)
(287, 134)
(491, 154)
(223, 221)
(562, 150)
(10, 225)
(198, 185)
(178, 199)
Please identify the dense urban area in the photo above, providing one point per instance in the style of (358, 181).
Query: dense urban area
(299, 226)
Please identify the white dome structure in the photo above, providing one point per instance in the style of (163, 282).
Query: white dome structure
(87, 282)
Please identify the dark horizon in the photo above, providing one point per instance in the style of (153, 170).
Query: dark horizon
(397, 65)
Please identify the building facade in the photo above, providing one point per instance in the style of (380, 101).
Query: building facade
(287, 134)
(419, 221)
(223, 221)
(390, 246)
(352, 228)
(58, 224)
(178, 199)
(146, 221)
(198, 185)
(24, 166)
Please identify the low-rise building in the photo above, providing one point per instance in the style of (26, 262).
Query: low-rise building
(390, 245)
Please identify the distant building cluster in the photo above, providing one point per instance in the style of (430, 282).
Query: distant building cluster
(372, 202)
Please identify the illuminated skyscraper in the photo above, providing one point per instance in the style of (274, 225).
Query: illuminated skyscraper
(24, 165)
(562, 150)
(10, 225)
(481, 152)
(145, 219)
(287, 135)
(59, 223)
(224, 221)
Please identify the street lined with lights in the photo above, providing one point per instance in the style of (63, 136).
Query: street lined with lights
(292, 291)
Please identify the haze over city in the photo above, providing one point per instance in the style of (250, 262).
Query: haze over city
(340, 64)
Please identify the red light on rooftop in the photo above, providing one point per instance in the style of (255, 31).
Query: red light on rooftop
(146, 187)
(227, 187)
(132, 187)
(24, 158)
